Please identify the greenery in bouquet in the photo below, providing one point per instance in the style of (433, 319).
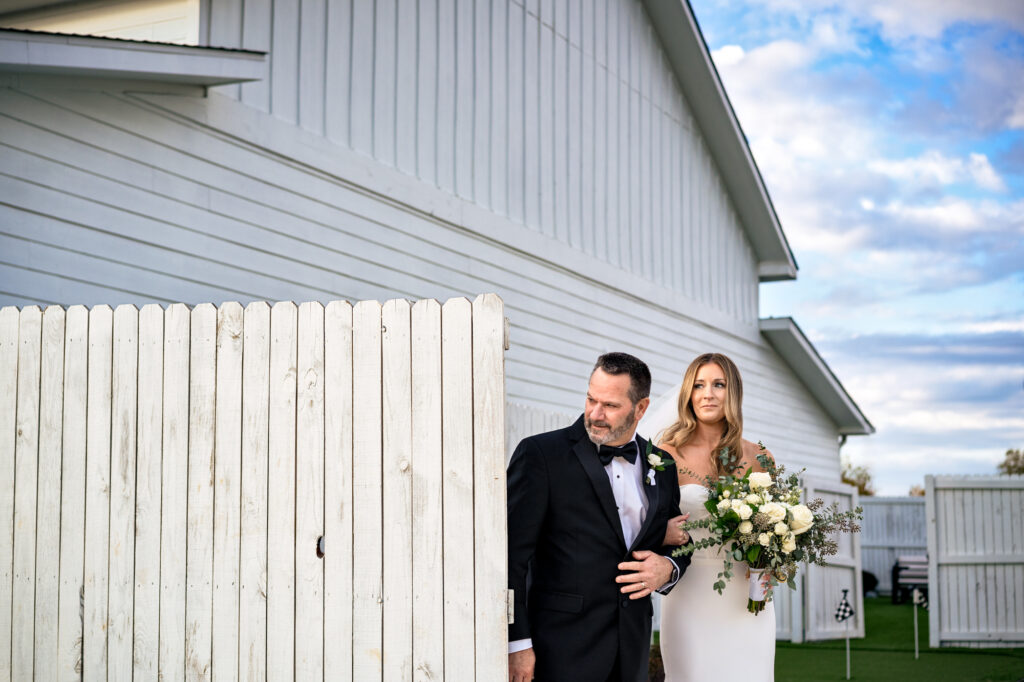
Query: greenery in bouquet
(757, 517)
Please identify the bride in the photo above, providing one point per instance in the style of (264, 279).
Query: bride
(701, 630)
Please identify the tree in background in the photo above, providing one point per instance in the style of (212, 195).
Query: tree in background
(859, 477)
(1013, 462)
(916, 490)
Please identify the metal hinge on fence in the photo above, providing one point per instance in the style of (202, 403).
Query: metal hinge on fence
(510, 605)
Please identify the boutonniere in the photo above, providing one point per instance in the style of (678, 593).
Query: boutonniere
(656, 462)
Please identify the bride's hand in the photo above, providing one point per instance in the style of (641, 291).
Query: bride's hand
(674, 533)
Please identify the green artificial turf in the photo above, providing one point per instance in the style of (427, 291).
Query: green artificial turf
(886, 653)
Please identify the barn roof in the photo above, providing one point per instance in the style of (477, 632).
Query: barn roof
(796, 350)
(683, 42)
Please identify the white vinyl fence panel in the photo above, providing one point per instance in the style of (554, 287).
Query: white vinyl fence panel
(892, 526)
(167, 476)
(824, 585)
(975, 561)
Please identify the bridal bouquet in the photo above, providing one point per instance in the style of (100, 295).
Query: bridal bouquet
(759, 518)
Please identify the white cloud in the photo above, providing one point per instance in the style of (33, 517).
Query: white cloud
(934, 167)
(951, 214)
(727, 55)
(1016, 118)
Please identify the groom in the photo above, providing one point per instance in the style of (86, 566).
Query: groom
(586, 519)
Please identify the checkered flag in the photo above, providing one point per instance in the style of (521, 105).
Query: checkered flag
(844, 610)
(920, 598)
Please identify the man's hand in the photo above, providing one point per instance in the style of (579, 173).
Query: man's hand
(674, 533)
(650, 571)
(520, 665)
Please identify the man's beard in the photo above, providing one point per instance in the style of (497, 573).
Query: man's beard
(612, 434)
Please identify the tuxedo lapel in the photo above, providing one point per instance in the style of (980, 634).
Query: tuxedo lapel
(587, 455)
(651, 490)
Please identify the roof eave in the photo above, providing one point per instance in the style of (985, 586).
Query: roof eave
(788, 340)
(37, 52)
(684, 45)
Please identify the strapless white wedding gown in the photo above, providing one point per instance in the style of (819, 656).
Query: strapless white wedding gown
(704, 633)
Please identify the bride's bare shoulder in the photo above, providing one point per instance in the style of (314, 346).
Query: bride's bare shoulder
(669, 449)
(750, 453)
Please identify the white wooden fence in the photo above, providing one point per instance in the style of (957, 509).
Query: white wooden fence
(165, 476)
(893, 526)
(975, 561)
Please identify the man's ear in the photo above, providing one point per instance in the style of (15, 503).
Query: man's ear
(641, 408)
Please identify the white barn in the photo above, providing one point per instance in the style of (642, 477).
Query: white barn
(580, 159)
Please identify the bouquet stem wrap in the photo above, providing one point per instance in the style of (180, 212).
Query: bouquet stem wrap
(757, 591)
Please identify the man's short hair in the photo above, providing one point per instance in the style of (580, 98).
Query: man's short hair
(624, 363)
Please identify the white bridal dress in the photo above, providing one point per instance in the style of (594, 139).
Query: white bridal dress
(703, 633)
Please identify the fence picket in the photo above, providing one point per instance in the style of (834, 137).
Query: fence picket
(338, 464)
(457, 456)
(309, 493)
(174, 491)
(252, 607)
(201, 444)
(146, 617)
(281, 494)
(47, 531)
(9, 318)
(367, 507)
(427, 521)
(397, 486)
(72, 502)
(490, 547)
(97, 493)
(25, 471)
(226, 491)
(124, 405)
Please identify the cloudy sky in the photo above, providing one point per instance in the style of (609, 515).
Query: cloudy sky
(890, 134)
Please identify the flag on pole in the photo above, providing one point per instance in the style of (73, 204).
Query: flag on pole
(920, 598)
(845, 609)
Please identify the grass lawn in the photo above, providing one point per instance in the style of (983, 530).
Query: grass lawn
(887, 653)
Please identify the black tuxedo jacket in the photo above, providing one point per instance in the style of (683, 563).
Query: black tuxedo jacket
(564, 544)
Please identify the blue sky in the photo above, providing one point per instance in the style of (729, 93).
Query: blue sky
(890, 134)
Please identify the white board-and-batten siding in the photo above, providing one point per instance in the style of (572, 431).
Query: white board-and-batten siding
(605, 227)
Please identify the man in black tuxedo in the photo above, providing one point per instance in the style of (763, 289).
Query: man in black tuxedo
(587, 514)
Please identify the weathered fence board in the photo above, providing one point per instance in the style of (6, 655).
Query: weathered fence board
(287, 492)
(975, 561)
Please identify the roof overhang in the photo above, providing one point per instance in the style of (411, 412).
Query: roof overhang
(39, 52)
(688, 54)
(790, 343)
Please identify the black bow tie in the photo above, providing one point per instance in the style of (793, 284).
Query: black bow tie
(607, 452)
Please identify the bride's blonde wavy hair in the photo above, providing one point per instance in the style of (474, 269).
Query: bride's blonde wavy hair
(680, 433)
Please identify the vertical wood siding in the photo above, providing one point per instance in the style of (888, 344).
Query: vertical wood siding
(219, 575)
(975, 561)
(563, 116)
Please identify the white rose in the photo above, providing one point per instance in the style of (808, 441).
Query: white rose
(760, 479)
(800, 519)
(764, 539)
(753, 499)
(775, 511)
(725, 493)
(781, 528)
(789, 543)
(745, 527)
(654, 460)
(744, 511)
(723, 506)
